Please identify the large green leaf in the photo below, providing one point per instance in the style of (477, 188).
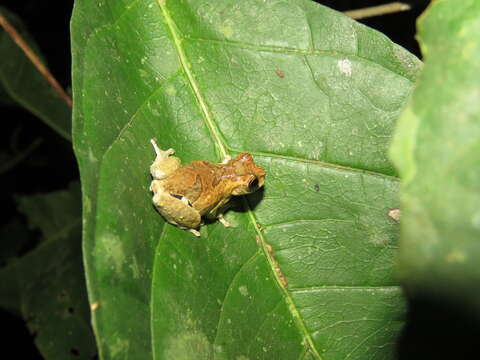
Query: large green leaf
(47, 286)
(437, 149)
(306, 269)
(22, 83)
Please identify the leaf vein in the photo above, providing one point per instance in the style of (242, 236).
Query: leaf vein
(345, 287)
(288, 299)
(286, 50)
(317, 162)
(129, 123)
(220, 318)
(152, 291)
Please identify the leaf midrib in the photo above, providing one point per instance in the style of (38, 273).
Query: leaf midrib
(215, 133)
(273, 267)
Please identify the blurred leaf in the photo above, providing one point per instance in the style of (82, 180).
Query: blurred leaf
(56, 214)
(47, 285)
(9, 161)
(314, 96)
(13, 237)
(21, 82)
(437, 150)
(5, 99)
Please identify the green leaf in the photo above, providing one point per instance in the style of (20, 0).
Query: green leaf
(13, 238)
(47, 286)
(56, 214)
(22, 83)
(313, 96)
(9, 160)
(5, 99)
(436, 149)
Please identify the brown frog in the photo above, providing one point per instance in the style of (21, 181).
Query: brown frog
(183, 194)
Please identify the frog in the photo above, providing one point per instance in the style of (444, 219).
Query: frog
(187, 194)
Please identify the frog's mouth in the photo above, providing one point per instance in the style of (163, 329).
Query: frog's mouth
(183, 199)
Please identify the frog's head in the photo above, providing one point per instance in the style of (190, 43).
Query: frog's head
(249, 176)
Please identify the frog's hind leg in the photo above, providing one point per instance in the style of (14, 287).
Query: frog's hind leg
(164, 165)
(176, 211)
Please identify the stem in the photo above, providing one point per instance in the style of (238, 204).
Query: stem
(37, 62)
(378, 10)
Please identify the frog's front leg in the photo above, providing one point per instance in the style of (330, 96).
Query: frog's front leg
(226, 160)
(164, 164)
(218, 211)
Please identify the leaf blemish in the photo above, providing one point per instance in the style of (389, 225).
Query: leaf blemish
(394, 214)
(456, 256)
(243, 290)
(114, 249)
(345, 67)
(279, 73)
(277, 269)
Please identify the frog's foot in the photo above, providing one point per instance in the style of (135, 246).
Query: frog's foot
(164, 164)
(223, 220)
(194, 232)
(161, 154)
(226, 159)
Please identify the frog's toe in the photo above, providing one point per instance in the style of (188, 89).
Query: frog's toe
(163, 154)
(226, 159)
(194, 232)
(223, 220)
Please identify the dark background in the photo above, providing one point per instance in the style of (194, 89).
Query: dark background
(434, 329)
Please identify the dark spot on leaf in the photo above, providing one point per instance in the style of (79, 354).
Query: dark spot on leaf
(71, 310)
(316, 187)
(74, 352)
(279, 73)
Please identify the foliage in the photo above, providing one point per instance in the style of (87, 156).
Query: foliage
(436, 150)
(313, 96)
(46, 286)
(21, 83)
(307, 269)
